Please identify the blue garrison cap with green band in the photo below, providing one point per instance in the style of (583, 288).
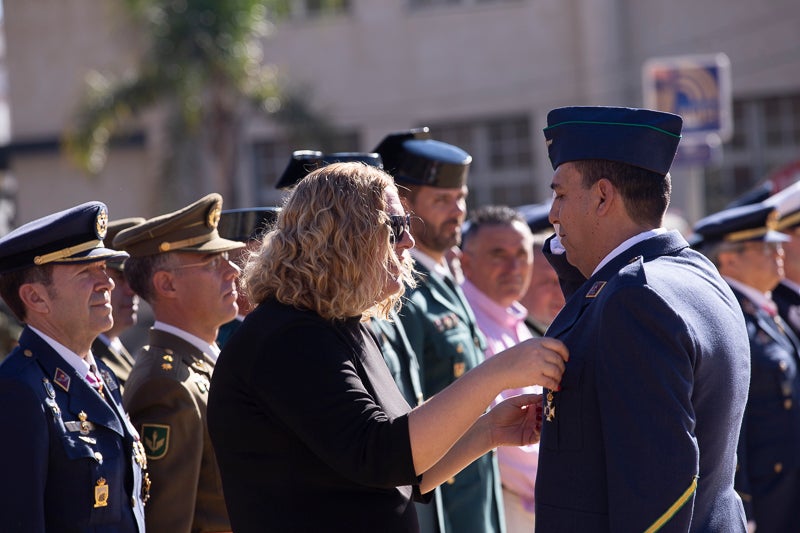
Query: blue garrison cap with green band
(639, 137)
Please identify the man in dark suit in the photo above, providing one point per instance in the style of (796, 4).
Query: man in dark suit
(125, 307)
(749, 254)
(437, 320)
(642, 434)
(71, 460)
(180, 265)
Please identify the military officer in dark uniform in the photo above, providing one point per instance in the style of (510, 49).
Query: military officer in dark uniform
(124, 305)
(787, 293)
(544, 298)
(70, 459)
(179, 265)
(438, 322)
(642, 434)
(748, 252)
(245, 225)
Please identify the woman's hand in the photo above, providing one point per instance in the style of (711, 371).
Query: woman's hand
(516, 421)
(539, 361)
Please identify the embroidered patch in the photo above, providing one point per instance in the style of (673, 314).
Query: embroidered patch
(595, 289)
(62, 379)
(155, 438)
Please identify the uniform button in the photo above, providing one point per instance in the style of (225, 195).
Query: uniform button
(783, 365)
(451, 480)
(778, 468)
(787, 404)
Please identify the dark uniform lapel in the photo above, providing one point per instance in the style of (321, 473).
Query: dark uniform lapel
(82, 398)
(441, 292)
(667, 243)
(781, 334)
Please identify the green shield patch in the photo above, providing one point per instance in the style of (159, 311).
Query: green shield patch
(156, 440)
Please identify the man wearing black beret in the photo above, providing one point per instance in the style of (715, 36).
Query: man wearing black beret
(642, 434)
(70, 458)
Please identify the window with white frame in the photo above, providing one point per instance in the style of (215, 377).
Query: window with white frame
(271, 156)
(423, 4)
(309, 9)
(766, 136)
(502, 157)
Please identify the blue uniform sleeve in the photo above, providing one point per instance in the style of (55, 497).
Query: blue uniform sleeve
(645, 383)
(23, 458)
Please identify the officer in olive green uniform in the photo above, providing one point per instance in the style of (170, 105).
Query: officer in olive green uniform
(179, 265)
(108, 346)
(437, 320)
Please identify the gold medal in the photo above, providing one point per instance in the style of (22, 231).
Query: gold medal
(549, 409)
(101, 493)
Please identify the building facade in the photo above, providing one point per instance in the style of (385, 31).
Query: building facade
(481, 74)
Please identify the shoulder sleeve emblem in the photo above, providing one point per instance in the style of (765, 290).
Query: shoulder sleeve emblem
(155, 438)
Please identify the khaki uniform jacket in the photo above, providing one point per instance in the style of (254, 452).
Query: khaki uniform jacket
(166, 396)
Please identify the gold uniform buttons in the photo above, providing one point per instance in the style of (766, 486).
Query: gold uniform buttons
(787, 404)
(778, 468)
(783, 365)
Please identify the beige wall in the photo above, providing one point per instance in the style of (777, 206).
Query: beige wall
(386, 68)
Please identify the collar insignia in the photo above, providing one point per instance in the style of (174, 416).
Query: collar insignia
(62, 379)
(595, 289)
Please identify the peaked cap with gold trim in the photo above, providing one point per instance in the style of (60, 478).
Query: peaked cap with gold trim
(74, 235)
(787, 202)
(756, 222)
(116, 226)
(190, 229)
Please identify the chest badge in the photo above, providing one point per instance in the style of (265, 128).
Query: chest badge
(550, 409)
(101, 493)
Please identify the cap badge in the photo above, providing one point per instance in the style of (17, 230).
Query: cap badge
(772, 220)
(101, 223)
(213, 216)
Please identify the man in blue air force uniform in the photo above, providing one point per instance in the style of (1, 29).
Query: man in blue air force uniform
(70, 459)
(436, 318)
(749, 254)
(642, 434)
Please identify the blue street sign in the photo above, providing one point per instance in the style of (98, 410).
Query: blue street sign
(697, 87)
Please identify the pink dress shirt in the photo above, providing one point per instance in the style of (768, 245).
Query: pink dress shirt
(504, 327)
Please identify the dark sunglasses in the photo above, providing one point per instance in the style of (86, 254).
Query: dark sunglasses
(399, 224)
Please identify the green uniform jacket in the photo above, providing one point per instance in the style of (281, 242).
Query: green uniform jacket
(166, 397)
(441, 330)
